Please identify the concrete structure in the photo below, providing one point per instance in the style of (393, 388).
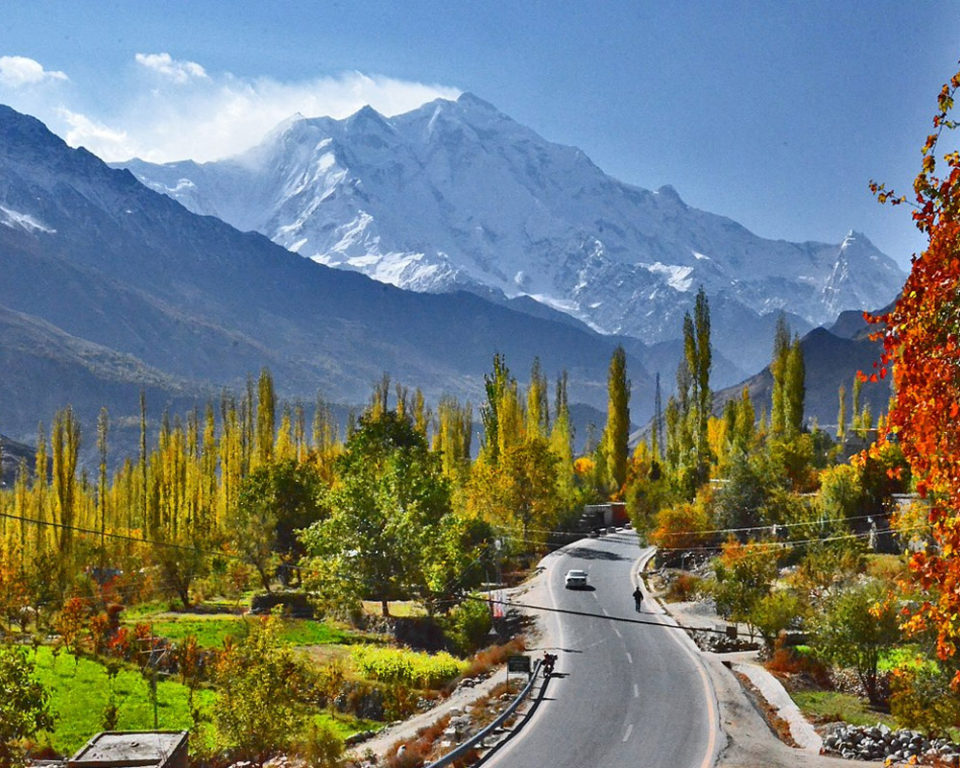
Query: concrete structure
(133, 749)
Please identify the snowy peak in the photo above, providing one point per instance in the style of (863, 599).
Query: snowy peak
(458, 194)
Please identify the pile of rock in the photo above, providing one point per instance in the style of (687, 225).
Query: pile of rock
(718, 641)
(879, 742)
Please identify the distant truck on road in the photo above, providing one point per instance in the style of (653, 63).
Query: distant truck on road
(603, 515)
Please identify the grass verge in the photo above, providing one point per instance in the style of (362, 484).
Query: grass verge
(830, 706)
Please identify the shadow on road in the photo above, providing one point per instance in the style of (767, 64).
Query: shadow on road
(583, 553)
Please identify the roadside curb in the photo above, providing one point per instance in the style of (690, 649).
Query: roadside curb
(776, 695)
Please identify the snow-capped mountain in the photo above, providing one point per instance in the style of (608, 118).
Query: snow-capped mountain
(110, 289)
(457, 194)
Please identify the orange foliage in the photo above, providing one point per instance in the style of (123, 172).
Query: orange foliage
(921, 337)
(584, 466)
(681, 526)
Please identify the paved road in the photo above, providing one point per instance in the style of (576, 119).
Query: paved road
(627, 694)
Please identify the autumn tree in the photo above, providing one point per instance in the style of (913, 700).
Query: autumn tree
(921, 338)
(496, 385)
(842, 413)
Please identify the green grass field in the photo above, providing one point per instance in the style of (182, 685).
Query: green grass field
(79, 693)
(210, 631)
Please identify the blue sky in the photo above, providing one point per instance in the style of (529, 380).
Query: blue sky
(776, 114)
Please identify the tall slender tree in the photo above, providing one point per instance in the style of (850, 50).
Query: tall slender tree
(266, 418)
(778, 369)
(794, 389)
(617, 432)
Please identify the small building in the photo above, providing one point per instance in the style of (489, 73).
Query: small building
(133, 749)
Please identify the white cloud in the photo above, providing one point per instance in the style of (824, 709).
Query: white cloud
(166, 65)
(217, 115)
(18, 71)
(86, 132)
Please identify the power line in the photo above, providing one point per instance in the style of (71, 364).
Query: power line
(591, 615)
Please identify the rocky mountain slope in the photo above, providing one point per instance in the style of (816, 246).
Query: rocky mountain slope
(457, 194)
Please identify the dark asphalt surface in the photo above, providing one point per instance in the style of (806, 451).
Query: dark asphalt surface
(624, 694)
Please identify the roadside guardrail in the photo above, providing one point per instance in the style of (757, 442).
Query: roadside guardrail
(469, 744)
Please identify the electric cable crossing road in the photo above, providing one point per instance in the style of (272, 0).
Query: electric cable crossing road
(622, 692)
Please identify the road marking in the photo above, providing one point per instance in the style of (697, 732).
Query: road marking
(617, 633)
(636, 691)
(606, 612)
(629, 731)
(708, 690)
(629, 657)
(594, 595)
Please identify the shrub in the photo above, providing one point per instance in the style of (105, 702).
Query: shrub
(320, 747)
(792, 662)
(469, 625)
(683, 587)
(394, 665)
(774, 613)
(24, 706)
(922, 699)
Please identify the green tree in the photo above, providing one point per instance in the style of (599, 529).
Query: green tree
(740, 502)
(257, 712)
(688, 445)
(266, 417)
(778, 370)
(773, 613)
(700, 371)
(385, 507)
(456, 558)
(857, 626)
(24, 705)
(275, 501)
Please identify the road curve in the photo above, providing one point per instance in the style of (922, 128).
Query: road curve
(625, 693)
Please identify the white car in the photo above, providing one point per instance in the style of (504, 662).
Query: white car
(575, 579)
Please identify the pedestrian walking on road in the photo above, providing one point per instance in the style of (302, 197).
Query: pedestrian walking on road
(638, 598)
